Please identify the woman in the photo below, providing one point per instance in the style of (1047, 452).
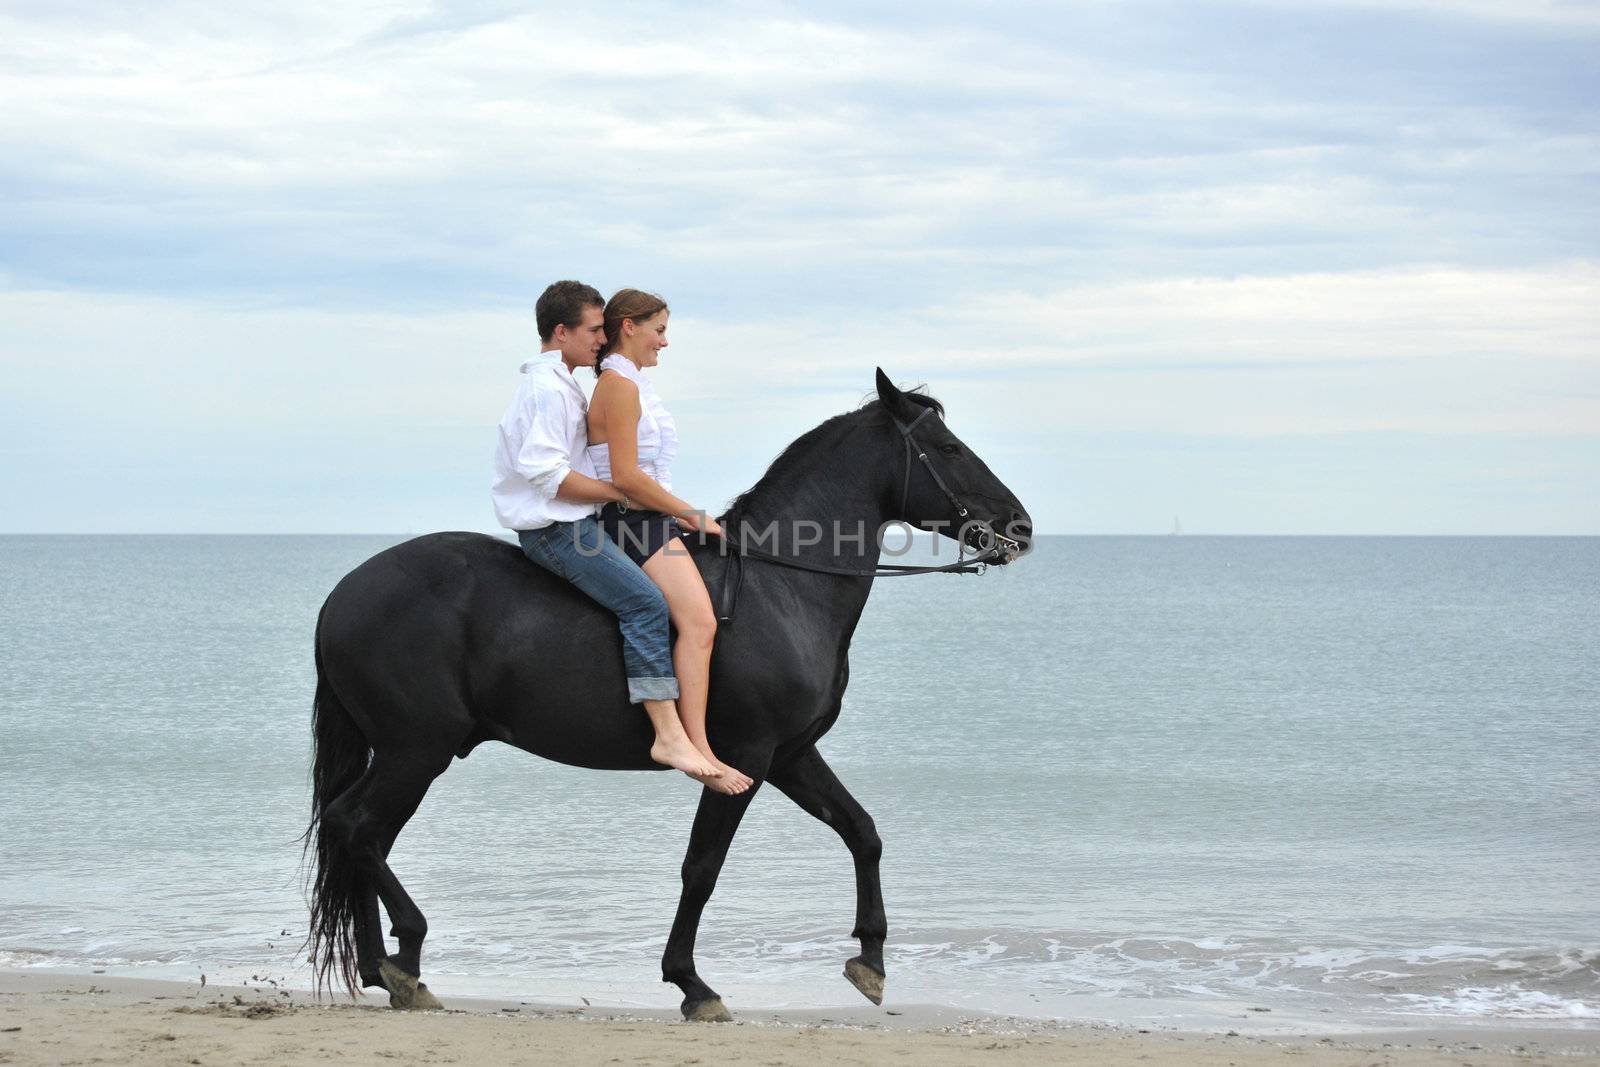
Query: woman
(632, 441)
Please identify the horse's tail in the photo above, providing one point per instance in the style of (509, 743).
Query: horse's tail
(340, 755)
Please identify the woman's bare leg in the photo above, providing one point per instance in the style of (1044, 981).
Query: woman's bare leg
(679, 579)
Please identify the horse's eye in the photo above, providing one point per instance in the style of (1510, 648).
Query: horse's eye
(949, 450)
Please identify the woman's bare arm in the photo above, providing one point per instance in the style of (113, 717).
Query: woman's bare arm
(615, 408)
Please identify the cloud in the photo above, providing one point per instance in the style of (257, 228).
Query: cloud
(1565, 13)
(1430, 312)
(1428, 349)
(1090, 401)
(313, 232)
(462, 153)
(1424, 349)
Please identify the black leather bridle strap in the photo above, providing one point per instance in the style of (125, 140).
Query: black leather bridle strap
(913, 446)
(975, 565)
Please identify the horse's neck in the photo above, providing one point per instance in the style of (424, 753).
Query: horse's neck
(835, 493)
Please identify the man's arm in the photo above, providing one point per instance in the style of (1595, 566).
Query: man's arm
(543, 458)
(544, 462)
(582, 489)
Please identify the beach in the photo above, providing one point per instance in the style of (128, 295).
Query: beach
(53, 1018)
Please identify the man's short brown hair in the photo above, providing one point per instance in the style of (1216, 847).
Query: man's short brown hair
(562, 304)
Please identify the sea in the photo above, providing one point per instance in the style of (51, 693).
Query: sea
(1349, 781)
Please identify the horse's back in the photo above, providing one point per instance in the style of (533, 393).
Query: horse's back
(453, 638)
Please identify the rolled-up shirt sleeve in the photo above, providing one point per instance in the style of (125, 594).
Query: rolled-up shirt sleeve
(542, 460)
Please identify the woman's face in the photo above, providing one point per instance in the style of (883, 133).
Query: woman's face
(650, 337)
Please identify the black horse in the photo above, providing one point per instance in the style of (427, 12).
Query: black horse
(449, 640)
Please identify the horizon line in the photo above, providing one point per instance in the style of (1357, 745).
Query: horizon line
(506, 533)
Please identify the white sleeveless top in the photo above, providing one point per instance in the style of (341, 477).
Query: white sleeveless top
(658, 432)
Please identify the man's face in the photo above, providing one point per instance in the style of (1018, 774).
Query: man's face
(580, 345)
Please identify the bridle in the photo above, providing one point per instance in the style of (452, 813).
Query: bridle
(922, 455)
(998, 548)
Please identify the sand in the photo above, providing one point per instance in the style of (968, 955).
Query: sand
(49, 1018)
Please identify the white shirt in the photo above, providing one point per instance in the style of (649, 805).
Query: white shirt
(658, 430)
(544, 436)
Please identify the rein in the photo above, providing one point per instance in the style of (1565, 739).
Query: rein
(976, 565)
(733, 575)
(1001, 550)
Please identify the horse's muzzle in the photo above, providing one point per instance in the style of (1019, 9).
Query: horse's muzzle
(985, 540)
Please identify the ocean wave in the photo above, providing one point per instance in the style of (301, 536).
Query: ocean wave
(1510, 1001)
(1444, 980)
(1348, 979)
(23, 958)
(1454, 980)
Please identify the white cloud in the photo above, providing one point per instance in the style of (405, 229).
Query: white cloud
(1427, 349)
(1088, 220)
(1584, 13)
(1418, 312)
(359, 420)
(461, 140)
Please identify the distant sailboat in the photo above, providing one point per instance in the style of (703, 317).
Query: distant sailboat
(1176, 527)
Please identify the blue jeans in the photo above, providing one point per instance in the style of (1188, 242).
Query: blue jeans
(581, 553)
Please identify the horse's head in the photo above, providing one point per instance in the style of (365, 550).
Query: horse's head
(944, 486)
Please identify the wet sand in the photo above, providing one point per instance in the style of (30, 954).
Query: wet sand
(49, 1018)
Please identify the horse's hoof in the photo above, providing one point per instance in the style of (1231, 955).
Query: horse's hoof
(864, 978)
(707, 1011)
(405, 992)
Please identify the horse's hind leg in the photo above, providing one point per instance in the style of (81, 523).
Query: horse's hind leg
(370, 948)
(715, 823)
(368, 934)
(396, 784)
(810, 783)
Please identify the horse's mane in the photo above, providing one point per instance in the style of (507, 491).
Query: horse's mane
(870, 409)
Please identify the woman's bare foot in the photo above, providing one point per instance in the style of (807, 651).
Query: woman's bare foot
(731, 782)
(733, 776)
(735, 779)
(681, 754)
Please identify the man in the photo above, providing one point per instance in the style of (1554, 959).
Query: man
(545, 490)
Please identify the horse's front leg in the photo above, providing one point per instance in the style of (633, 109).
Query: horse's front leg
(715, 823)
(810, 783)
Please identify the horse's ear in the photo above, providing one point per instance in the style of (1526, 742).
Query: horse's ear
(894, 400)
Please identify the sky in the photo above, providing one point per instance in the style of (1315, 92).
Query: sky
(1267, 267)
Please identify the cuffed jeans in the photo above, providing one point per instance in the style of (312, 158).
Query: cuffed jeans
(581, 553)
